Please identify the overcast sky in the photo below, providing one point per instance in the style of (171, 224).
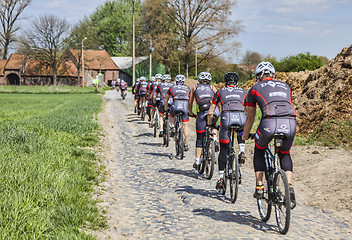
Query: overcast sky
(276, 27)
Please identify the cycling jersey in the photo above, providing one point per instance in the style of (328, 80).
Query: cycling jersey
(142, 88)
(180, 95)
(162, 89)
(273, 98)
(134, 91)
(203, 94)
(123, 86)
(231, 99)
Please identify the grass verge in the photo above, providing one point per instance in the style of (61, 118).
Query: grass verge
(47, 168)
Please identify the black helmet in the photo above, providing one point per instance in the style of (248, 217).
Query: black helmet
(231, 77)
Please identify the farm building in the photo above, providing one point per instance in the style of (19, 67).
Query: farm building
(21, 70)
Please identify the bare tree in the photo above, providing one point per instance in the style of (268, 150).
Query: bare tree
(251, 58)
(10, 10)
(204, 24)
(45, 41)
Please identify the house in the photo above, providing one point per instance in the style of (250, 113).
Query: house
(20, 70)
(141, 67)
(95, 62)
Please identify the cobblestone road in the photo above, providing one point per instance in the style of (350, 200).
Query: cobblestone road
(150, 195)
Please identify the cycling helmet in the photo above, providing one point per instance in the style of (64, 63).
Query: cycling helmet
(152, 79)
(138, 80)
(166, 77)
(231, 77)
(204, 77)
(143, 79)
(264, 67)
(180, 79)
(159, 76)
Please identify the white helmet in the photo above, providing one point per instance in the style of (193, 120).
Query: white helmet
(204, 76)
(158, 76)
(180, 79)
(143, 79)
(138, 79)
(166, 77)
(152, 79)
(264, 67)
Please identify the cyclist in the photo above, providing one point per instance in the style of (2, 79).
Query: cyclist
(162, 89)
(118, 84)
(202, 92)
(232, 100)
(180, 94)
(147, 97)
(278, 116)
(152, 89)
(136, 95)
(123, 87)
(142, 89)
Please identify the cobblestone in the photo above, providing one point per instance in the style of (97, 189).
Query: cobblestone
(150, 195)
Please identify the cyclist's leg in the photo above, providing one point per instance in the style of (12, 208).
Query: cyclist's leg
(224, 147)
(161, 116)
(200, 130)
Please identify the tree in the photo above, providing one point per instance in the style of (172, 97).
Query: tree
(10, 11)
(162, 31)
(204, 24)
(45, 41)
(251, 58)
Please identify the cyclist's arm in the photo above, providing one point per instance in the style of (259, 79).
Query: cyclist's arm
(211, 113)
(190, 102)
(166, 104)
(249, 121)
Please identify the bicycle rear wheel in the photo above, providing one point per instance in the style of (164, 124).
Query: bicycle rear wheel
(208, 160)
(282, 202)
(142, 113)
(156, 123)
(234, 178)
(264, 204)
(166, 136)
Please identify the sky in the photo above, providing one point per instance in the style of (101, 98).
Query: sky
(279, 28)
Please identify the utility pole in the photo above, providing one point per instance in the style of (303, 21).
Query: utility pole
(83, 62)
(196, 62)
(133, 47)
(150, 59)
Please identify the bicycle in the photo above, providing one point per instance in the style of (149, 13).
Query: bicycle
(232, 172)
(166, 130)
(276, 189)
(179, 137)
(208, 153)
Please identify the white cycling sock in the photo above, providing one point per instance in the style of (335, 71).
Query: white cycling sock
(221, 174)
(242, 147)
(198, 161)
(215, 138)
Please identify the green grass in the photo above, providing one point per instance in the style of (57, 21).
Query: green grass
(48, 89)
(47, 171)
(334, 133)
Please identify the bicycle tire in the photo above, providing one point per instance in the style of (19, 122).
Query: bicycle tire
(142, 113)
(209, 161)
(203, 156)
(181, 142)
(167, 133)
(234, 179)
(282, 201)
(264, 204)
(226, 178)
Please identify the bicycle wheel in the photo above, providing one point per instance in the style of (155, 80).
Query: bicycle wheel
(264, 204)
(179, 142)
(208, 161)
(226, 178)
(282, 202)
(142, 113)
(166, 133)
(234, 178)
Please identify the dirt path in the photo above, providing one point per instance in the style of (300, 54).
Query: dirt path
(152, 196)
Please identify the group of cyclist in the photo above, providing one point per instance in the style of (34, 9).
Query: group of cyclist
(234, 106)
(122, 86)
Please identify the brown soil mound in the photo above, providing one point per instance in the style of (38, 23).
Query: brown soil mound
(327, 93)
(321, 95)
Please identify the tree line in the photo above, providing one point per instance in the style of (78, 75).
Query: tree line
(179, 31)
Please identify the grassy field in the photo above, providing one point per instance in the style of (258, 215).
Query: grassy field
(48, 89)
(47, 170)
